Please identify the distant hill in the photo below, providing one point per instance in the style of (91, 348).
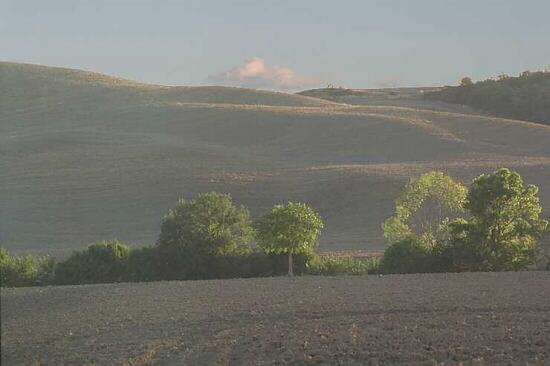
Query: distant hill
(85, 156)
(525, 97)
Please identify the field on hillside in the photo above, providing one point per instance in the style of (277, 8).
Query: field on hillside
(86, 157)
(475, 318)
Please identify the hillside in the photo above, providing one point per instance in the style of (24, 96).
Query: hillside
(524, 97)
(86, 156)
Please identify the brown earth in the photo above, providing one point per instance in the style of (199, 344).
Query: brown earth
(432, 319)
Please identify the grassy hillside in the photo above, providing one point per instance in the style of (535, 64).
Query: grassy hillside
(524, 97)
(86, 156)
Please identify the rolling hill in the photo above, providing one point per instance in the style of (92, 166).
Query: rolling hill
(85, 156)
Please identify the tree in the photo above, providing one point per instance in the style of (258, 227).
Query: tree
(466, 81)
(209, 225)
(293, 228)
(424, 209)
(103, 262)
(505, 224)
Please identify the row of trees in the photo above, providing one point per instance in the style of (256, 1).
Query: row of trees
(211, 225)
(205, 237)
(525, 97)
(440, 225)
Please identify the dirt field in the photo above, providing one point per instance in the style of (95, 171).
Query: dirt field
(500, 318)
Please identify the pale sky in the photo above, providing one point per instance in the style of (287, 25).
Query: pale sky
(281, 44)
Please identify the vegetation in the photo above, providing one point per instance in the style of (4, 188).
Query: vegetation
(336, 265)
(501, 232)
(208, 237)
(424, 209)
(409, 255)
(292, 229)
(102, 262)
(25, 270)
(504, 228)
(208, 225)
(524, 97)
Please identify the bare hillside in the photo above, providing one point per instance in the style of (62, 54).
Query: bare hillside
(85, 156)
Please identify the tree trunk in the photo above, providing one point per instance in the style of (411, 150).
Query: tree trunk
(290, 269)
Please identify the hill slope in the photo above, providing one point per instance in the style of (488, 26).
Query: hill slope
(85, 156)
(525, 97)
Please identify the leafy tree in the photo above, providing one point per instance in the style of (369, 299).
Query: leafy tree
(504, 228)
(207, 225)
(293, 228)
(466, 81)
(103, 262)
(424, 209)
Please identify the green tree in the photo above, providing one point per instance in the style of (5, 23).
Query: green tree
(102, 262)
(293, 228)
(209, 224)
(504, 228)
(466, 81)
(424, 209)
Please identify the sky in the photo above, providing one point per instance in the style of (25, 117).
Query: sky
(281, 45)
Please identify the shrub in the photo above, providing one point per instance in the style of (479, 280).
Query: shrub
(102, 262)
(409, 255)
(255, 264)
(333, 265)
(25, 270)
(143, 265)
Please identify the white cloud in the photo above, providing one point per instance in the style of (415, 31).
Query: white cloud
(255, 73)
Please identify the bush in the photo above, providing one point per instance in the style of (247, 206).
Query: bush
(143, 265)
(25, 270)
(102, 262)
(188, 266)
(333, 265)
(409, 255)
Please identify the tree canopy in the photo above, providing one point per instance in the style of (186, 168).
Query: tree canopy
(505, 224)
(209, 224)
(293, 228)
(425, 207)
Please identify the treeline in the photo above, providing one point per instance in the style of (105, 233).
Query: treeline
(204, 238)
(439, 225)
(525, 97)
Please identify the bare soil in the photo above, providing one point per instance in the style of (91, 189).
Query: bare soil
(444, 319)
